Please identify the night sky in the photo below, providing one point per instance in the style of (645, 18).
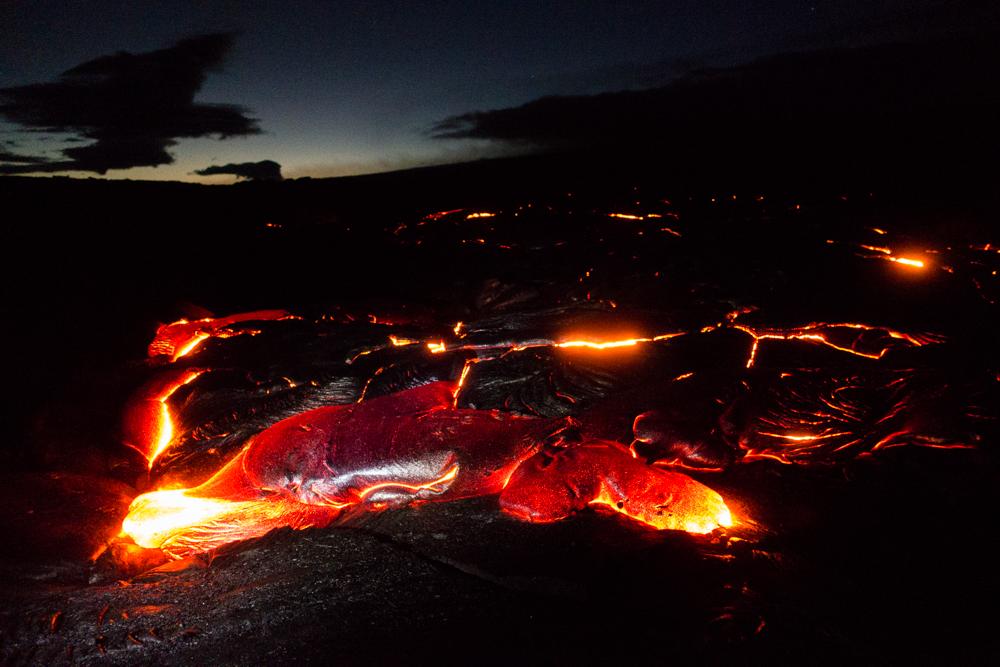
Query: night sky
(331, 89)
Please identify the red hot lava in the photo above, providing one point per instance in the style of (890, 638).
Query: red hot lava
(405, 447)
(416, 444)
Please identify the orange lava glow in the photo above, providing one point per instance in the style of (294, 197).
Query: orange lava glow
(440, 214)
(591, 345)
(166, 424)
(546, 488)
(402, 341)
(465, 373)
(603, 346)
(149, 428)
(700, 512)
(758, 455)
(822, 333)
(908, 262)
(181, 523)
(224, 509)
(805, 438)
(402, 433)
(195, 339)
(180, 338)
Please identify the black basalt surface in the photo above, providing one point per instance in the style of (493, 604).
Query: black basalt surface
(873, 559)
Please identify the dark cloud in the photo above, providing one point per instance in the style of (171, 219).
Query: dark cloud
(555, 120)
(19, 159)
(30, 164)
(266, 170)
(132, 107)
(805, 92)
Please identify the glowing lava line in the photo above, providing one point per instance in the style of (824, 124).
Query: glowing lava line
(149, 427)
(809, 332)
(166, 423)
(908, 262)
(197, 338)
(434, 485)
(603, 346)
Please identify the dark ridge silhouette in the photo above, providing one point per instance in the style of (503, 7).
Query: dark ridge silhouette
(133, 107)
(265, 170)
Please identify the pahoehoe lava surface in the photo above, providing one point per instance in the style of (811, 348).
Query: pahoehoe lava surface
(869, 547)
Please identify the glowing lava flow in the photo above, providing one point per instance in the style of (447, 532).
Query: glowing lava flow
(179, 338)
(148, 426)
(548, 488)
(181, 523)
(412, 445)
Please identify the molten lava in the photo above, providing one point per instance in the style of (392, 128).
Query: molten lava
(408, 439)
(413, 445)
(548, 488)
(178, 339)
(148, 426)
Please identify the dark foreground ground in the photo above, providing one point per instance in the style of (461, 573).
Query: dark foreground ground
(884, 559)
